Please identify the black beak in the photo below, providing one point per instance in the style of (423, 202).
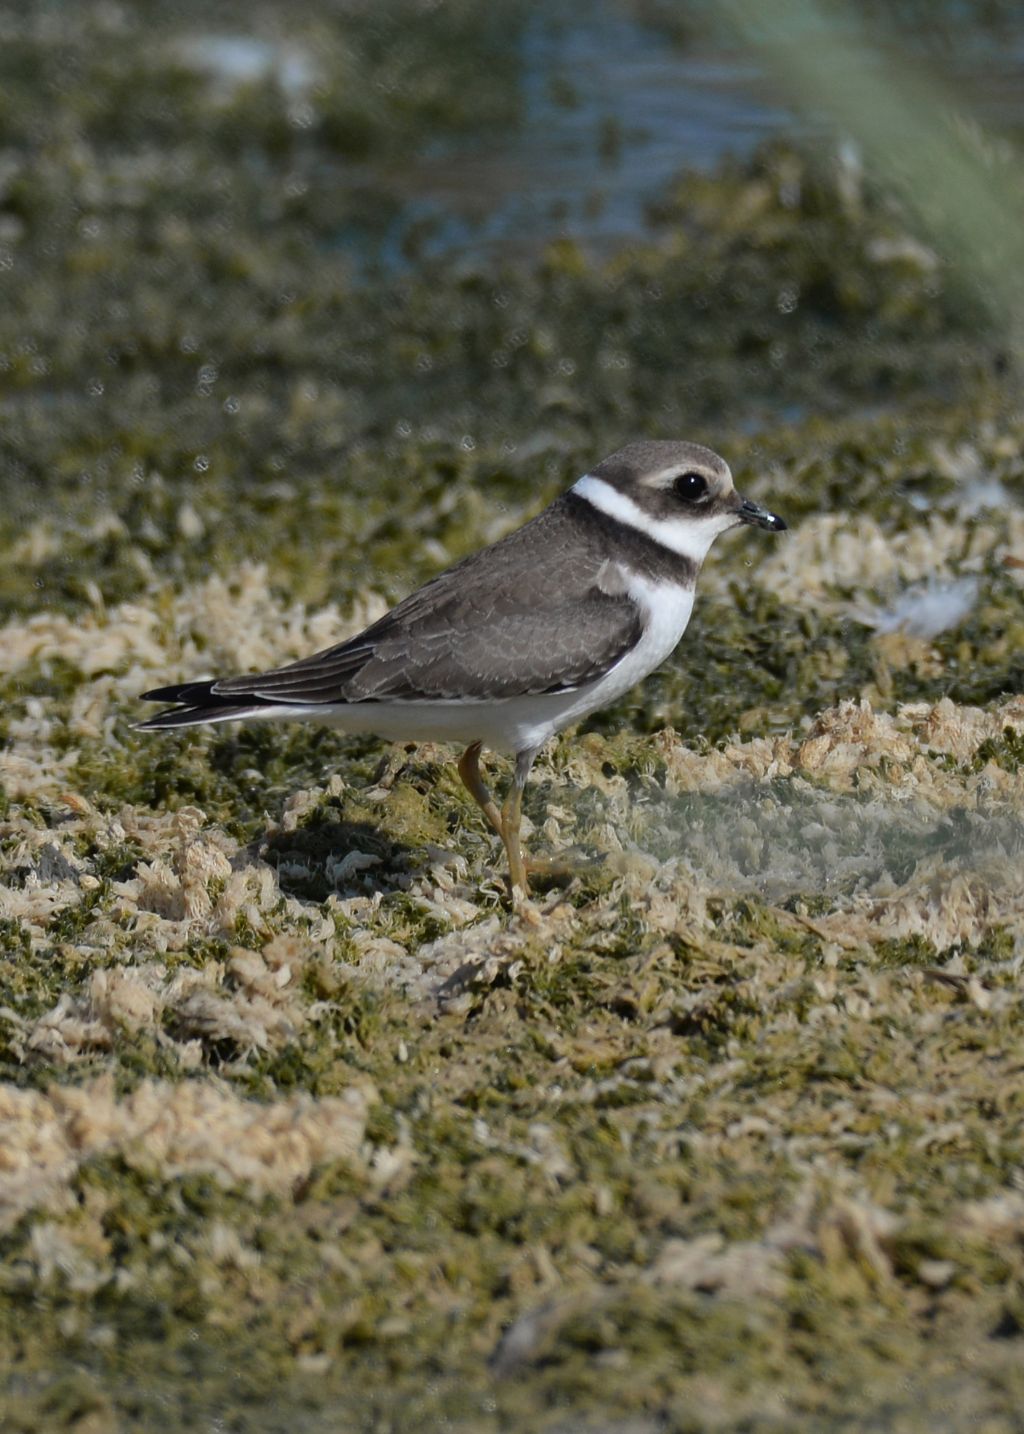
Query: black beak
(758, 517)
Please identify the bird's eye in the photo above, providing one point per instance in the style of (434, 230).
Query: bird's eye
(691, 487)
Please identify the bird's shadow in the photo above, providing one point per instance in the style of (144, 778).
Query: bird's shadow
(337, 858)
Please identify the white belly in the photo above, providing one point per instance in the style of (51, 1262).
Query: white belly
(517, 724)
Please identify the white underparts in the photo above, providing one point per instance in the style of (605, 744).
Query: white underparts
(515, 724)
(689, 537)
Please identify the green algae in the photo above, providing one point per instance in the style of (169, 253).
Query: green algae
(1006, 751)
(465, 1223)
(550, 1118)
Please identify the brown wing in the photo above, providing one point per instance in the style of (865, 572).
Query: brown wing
(534, 613)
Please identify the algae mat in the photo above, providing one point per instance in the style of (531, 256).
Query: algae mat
(296, 1118)
(297, 1125)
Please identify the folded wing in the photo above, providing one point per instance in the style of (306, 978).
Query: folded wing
(483, 631)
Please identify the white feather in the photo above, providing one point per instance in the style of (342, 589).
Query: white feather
(689, 537)
(515, 724)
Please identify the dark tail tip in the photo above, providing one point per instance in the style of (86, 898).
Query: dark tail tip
(197, 704)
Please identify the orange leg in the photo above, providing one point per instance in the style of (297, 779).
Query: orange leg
(469, 771)
(507, 821)
(511, 821)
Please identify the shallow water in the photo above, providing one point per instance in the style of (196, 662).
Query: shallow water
(792, 839)
(612, 111)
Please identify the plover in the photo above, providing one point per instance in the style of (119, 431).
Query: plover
(519, 640)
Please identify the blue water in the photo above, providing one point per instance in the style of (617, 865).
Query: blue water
(613, 110)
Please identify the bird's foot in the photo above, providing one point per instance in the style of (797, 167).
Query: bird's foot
(541, 873)
(523, 909)
(560, 870)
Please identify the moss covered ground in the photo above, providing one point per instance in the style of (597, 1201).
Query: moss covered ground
(298, 1124)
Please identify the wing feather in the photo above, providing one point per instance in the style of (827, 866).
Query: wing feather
(541, 611)
(516, 654)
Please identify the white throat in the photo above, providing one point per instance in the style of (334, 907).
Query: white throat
(689, 537)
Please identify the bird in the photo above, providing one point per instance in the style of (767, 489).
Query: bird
(519, 640)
